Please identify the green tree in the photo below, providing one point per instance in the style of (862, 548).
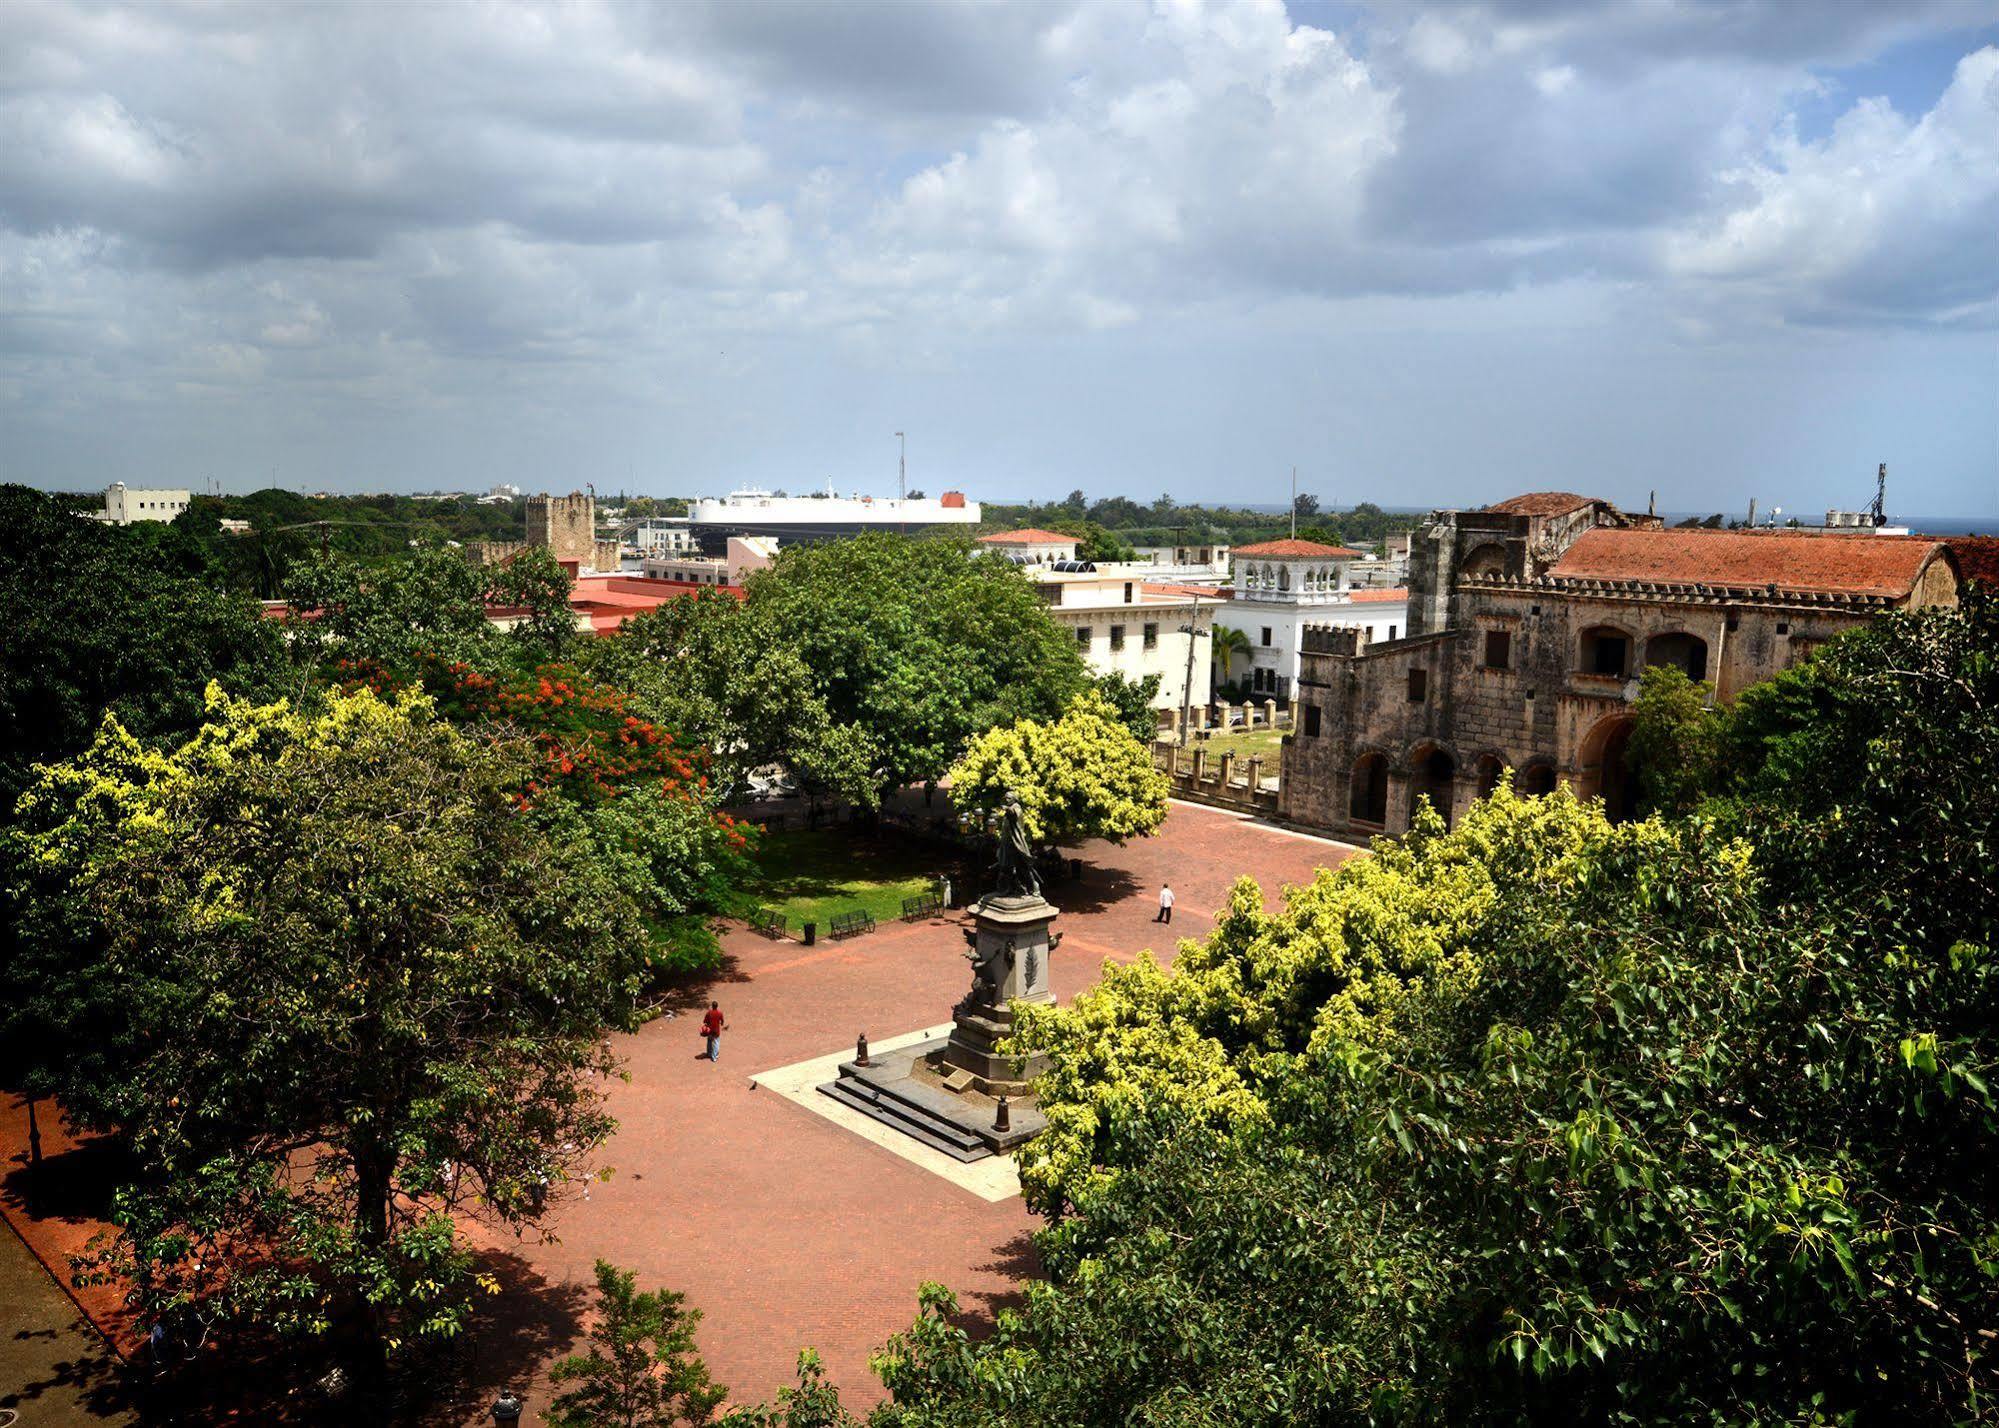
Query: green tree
(534, 583)
(332, 985)
(1675, 741)
(431, 602)
(1081, 776)
(1230, 644)
(912, 647)
(1095, 543)
(148, 635)
(642, 1370)
(1132, 699)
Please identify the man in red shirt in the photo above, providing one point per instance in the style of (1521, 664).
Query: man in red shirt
(711, 1027)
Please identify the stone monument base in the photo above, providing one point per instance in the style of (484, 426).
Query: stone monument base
(909, 1091)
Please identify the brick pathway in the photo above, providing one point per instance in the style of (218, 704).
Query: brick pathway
(784, 1229)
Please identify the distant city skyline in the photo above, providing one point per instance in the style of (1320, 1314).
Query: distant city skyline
(1429, 256)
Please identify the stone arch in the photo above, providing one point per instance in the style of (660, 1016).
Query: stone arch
(1367, 792)
(1489, 769)
(1681, 649)
(1433, 774)
(1605, 649)
(1484, 562)
(1536, 780)
(1602, 771)
(1283, 577)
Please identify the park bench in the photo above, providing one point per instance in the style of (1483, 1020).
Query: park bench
(921, 906)
(768, 922)
(849, 924)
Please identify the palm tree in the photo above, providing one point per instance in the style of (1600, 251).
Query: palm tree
(1229, 642)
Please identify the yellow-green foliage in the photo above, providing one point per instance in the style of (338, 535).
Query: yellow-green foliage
(1083, 776)
(1341, 964)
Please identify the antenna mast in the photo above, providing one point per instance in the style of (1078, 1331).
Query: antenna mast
(1294, 503)
(1881, 495)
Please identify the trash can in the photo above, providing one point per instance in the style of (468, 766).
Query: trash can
(809, 933)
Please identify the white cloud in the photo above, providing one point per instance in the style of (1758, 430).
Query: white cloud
(1884, 217)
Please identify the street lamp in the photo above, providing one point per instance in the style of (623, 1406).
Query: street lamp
(507, 1409)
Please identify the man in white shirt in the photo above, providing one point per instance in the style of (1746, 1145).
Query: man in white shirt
(1165, 903)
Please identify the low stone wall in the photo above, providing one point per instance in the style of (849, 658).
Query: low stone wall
(1224, 782)
(1250, 714)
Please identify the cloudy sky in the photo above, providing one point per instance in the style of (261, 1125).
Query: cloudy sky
(1429, 255)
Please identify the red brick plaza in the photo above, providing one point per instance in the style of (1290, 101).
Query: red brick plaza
(783, 1228)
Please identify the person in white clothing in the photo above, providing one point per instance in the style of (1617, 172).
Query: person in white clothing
(1165, 903)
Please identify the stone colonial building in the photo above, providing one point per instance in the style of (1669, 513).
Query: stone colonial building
(1529, 622)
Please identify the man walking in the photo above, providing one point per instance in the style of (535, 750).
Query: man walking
(1165, 903)
(711, 1028)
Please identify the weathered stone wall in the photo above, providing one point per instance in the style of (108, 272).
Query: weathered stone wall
(565, 525)
(1543, 707)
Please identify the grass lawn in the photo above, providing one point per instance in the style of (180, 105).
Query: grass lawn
(809, 876)
(1242, 743)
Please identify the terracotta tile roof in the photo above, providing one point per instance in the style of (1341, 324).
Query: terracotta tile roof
(1378, 597)
(1542, 503)
(1977, 558)
(1187, 592)
(1298, 550)
(1030, 536)
(1847, 565)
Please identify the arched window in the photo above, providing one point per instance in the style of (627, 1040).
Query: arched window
(1367, 800)
(1605, 650)
(1490, 768)
(1537, 780)
(1680, 650)
(1283, 577)
(1433, 775)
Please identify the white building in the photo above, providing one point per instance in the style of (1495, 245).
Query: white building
(1283, 585)
(746, 553)
(1124, 624)
(124, 505)
(1197, 563)
(1031, 546)
(664, 536)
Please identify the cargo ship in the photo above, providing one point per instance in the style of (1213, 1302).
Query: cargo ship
(824, 515)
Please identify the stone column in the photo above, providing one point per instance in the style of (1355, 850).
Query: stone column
(1222, 715)
(1200, 763)
(1256, 773)
(1200, 716)
(1270, 712)
(1228, 769)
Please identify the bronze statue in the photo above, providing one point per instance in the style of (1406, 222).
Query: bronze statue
(1013, 869)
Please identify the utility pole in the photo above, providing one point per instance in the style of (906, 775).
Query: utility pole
(1193, 628)
(901, 481)
(1294, 503)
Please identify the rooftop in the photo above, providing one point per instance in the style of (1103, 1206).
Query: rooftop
(1030, 536)
(1977, 558)
(1297, 550)
(1862, 564)
(1542, 503)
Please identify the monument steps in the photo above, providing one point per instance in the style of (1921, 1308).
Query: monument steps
(912, 1120)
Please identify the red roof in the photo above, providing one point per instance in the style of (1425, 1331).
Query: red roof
(1542, 503)
(1847, 565)
(1030, 536)
(1198, 592)
(1298, 550)
(1378, 597)
(1977, 558)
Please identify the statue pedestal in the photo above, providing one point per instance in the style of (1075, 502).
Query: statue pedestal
(1010, 941)
(949, 1098)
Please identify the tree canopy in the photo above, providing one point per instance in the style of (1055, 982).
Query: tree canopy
(123, 618)
(1081, 776)
(331, 982)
